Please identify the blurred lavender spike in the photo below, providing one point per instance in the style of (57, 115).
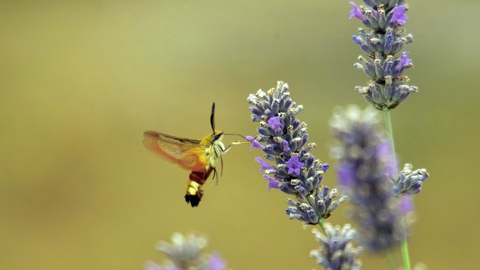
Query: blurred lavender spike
(186, 253)
(364, 172)
(336, 251)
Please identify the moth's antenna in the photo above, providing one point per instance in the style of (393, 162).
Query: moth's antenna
(236, 134)
(212, 118)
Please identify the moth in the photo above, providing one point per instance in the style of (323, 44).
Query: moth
(198, 156)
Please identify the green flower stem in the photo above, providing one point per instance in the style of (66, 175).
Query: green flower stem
(388, 125)
(311, 201)
(320, 223)
(405, 256)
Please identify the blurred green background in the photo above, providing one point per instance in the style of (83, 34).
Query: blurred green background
(81, 80)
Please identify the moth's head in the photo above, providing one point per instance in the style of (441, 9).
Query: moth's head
(211, 138)
(217, 135)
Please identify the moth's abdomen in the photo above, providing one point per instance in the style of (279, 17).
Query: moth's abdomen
(194, 192)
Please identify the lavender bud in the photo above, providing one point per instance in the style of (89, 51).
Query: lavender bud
(408, 181)
(322, 203)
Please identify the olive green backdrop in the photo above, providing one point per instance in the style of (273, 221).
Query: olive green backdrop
(81, 80)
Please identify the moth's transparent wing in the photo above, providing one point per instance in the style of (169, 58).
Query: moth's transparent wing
(185, 152)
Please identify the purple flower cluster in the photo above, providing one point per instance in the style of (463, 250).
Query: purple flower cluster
(364, 172)
(380, 15)
(321, 206)
(336, 251)
(409, 182)
(383, 39)
(185, 253)
(283, 139)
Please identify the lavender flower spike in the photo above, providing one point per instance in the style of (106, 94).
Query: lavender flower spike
(296, 171)
(409, 182)
(364, 172)
(186, 253)
(336, 251)
(382, 42)
(285, 139)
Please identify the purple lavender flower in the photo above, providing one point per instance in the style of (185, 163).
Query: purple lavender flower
(399, 16)
(296, 171)
(275, 123)
(264, 165)
(294, 165)
(382, 41)
(336, 251)
(404, 61)
(365, 163)
(356, 12)
(185, 253)
(272, 183)
(408, 181)
(255, 143)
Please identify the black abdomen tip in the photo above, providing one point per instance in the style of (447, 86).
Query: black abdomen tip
(194, 200)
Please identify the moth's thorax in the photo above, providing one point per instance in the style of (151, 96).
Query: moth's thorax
(214, 147)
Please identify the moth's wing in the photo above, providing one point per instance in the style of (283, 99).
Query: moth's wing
(185, 152)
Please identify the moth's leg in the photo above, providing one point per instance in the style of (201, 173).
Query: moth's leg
(221, 161)
(215, 173)
(225, 150)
